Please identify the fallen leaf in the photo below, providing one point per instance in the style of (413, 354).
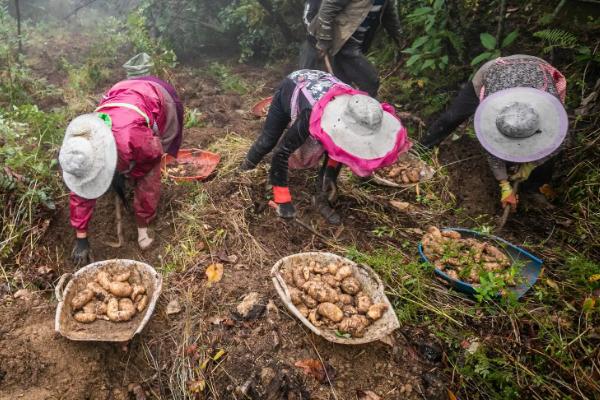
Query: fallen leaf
(551, 283)
(367, 395)
(548, 191)
(588, 304)
(197, 386)
(191, 349)
(24, 294)
(315, 368)
(399, 205)
(214, 273)
(173, 307)
(594, 278)
(451, 395)
(218, 355)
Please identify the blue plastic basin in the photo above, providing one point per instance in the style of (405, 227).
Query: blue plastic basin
(530, 271)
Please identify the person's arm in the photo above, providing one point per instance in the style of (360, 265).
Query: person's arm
(391, 21)
(291, 141)
(463, 106)
(81, 211)
(326, 17)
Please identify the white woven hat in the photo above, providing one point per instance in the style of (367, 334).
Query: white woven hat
(521, 124)
(88, 156)
(358, 125)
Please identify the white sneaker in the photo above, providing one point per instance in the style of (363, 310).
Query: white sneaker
(144, 241)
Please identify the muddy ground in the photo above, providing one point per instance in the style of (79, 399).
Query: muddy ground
(232, 224)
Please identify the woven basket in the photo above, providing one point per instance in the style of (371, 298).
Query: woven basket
(101, 330)
(371, 285)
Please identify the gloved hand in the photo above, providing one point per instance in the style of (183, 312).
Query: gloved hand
(246, 165)
(283, 199)
(81, 252)
(523, 173)
(144, 241)
(324, 46)
(508, 195)
(286, 210)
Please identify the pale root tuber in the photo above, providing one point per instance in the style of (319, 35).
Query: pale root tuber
(363, 302)
(98, 290)
(309, 301)
(349, 310)
(320, 269)
(330, 280)
(314, 318)
(295, 295)
(332, 268)
(103, 279)
(122, 277)
(354, 325)
(435, 232)
(303, 309)
(330, 311)
(351, 285)
(120, 289)
(84, 317)
(142, 303)
(451, 234)
(346, 299)
(287, 276)
(343, 272)
(81, 299)
(376, 311)
(320, 292)
(298, 277)
(137, 292)
(120, 310)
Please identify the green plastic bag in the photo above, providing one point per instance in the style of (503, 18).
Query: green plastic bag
(138, 65)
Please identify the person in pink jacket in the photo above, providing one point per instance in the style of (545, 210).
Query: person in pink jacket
(135, 123)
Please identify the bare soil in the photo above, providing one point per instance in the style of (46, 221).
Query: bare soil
(260, 353)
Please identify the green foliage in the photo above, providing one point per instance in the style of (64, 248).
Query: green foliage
(554, 38)
(492, 50)
(430, 50)
(227, 79)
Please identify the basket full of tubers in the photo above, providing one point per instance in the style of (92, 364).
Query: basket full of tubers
(108, 300)
(409, 170)
(335, 298)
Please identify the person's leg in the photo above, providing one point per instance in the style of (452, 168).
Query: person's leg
(539, 177)
(355, 69)
(309, 57)
(461, 108)
(277, 120)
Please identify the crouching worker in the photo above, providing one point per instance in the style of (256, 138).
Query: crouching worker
(124, 139)
(326, 119)
(520, 120)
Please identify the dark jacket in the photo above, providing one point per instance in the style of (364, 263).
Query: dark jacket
(337, 20)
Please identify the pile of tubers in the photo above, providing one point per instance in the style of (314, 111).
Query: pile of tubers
(183, 170)
(329, 295)
(465, 259)
(116, 297)
(406, 171)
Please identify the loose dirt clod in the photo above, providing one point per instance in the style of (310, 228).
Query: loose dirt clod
(251, 306)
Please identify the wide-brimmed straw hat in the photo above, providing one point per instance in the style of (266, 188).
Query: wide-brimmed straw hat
(358, 125)
(88, 156)
(521, 124)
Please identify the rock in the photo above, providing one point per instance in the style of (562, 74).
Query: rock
(24, 294)
(251, 306)
(173, 307)
(266, 376)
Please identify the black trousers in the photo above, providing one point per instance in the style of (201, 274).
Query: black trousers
(349, 65)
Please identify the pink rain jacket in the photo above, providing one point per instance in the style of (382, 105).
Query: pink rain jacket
(140, 145)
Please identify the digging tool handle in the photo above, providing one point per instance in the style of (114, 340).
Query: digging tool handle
(309, 228)
(60, 286)
(508, 208)
(328, 63)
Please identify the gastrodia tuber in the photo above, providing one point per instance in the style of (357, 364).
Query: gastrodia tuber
(81, 299)
(330, 311)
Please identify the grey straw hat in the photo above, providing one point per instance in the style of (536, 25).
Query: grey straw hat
(521, 124)
(88, 156)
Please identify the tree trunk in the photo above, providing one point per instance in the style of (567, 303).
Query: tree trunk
(278, 19)
(18, 10)
(500, 23)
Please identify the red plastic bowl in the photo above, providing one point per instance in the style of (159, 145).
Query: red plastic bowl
(261, 108)
(205, 161)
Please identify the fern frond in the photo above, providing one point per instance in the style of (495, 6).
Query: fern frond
(557, 38)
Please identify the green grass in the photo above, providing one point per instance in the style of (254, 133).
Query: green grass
(227, 79)
(508, 360)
